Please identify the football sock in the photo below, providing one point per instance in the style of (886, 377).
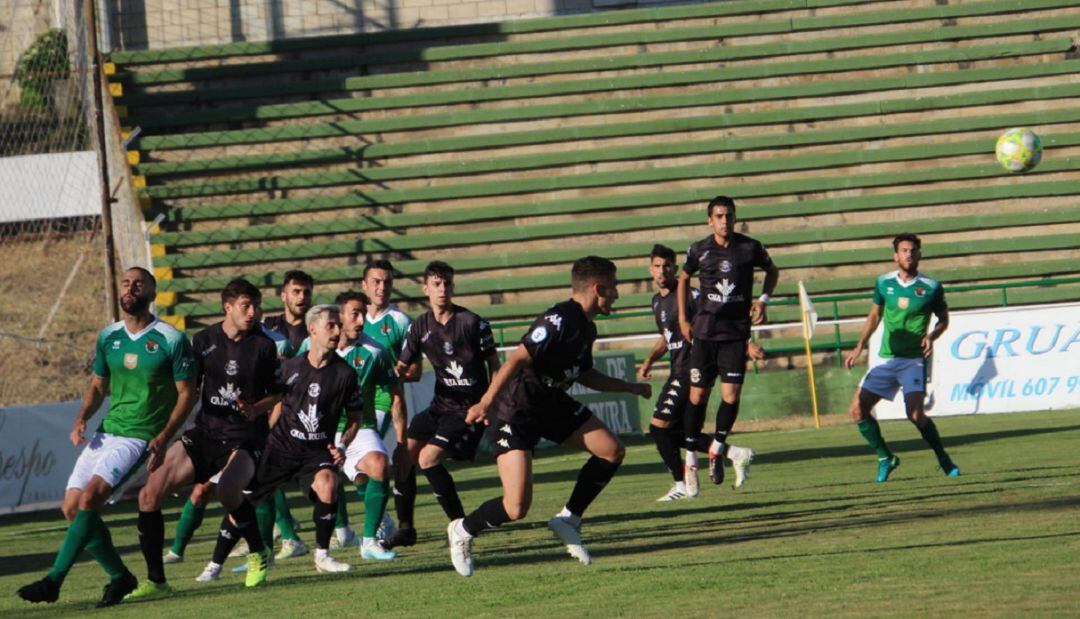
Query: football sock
(190, 520)
(246, 525)
(442, 484)
(283, 517)
(668, 447)
(228, 535)
(104, 552)
(871, 431)
(405, 498)
(490, 515)
(594, 476)
(930, 435)
(324, 515)
(376, 495)
(151, 539)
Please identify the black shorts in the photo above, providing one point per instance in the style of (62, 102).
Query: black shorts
(712, 360)
(209, 455)
(448, 430)
(277, 469)
(671, 404)
(557, 426)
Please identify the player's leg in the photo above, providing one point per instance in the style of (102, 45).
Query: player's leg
(913, 381)
(514, 464)
(236, 475)
(454, 438)
(422, 427)
(175, 472)
(666, 431)
(191, 518)
(703, 373)
(291, 544)
(878, 383)
(366, 459)
(323, 495)
(344, 536)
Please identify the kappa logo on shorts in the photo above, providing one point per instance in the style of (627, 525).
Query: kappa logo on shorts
(131, 361)
(695, 375)
(506, 429)
(502, 442)
(232, 368)
(313, 390)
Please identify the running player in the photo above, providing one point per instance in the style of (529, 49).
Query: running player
(387, 325)
(669, 427)
(367, 463)
(147, 368)
(529, 402)
(720, 329)
(461, 349)
(318, 387)
(903, 300)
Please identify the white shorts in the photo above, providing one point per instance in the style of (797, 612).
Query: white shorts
(109, 457)
(385, 427)
(893, 374)
(365, 442)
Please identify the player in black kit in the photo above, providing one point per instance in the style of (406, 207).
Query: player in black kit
(318, 387)
(296, 293)
(528, 400)
(670, 426)
(720, 330)
(460, 347)
(237, 365)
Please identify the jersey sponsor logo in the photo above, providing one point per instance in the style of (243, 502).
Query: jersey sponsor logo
(538, 335)
(227, 396)
(903, 302)
(554, 319)
(456, 370)
(313, 390)
(725, 288)
(448, 348)
(310, 419)
(232, 368)
(725, 266)
(131, 360)
(151, 346)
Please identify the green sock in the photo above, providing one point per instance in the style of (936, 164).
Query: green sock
(101, 548)
(361, 489)
(871, 431)
(78, 535)
(930, 435)
(342, 508)
(284, 517)
(264, 519)
(375, 497)
(190, 520)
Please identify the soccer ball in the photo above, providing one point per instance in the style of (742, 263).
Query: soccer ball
(1019, 150)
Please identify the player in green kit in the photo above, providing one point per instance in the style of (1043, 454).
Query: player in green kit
(367, 463)
(903, 300)
(147, 368)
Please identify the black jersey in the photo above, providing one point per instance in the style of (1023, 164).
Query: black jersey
(666, 312)
(560, 343)
(726, 277)
(232, 370)
(295, 334)
(457, 351)
(314, 400)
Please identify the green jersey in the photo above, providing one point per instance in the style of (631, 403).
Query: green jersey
(143, 369)
(906, 312)
(374, 369)
(389, 329)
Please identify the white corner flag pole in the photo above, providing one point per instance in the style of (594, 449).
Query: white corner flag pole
(809, 321)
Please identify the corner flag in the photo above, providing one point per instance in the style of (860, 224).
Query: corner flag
(809, 321)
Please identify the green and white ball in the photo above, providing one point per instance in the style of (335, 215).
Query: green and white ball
(1019, 150)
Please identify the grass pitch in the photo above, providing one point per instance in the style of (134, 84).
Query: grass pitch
(810, 535)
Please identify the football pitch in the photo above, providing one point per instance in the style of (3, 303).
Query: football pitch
(810, 535)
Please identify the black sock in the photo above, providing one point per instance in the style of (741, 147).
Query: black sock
(325, 517)
(405, 498)
(442, 484)
(725, 420)
(490, 515)
(152, 540)
(244, 517)
(668, 445)
(596, 474)
(226, 541)
(693, 421)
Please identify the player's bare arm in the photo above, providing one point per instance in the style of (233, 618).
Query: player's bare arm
(872, 321)
(682, 298)
(275, 414)
(936, 332)
(410, 372)
(399, 415)
(186, 396)
(598, 381)
(758, 313)
(654, 355)
(513, 366)
(92, 399)
(754, 351)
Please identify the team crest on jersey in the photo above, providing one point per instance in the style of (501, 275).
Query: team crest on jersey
(151, 346)
(385, 328)
(448, 348)
(359, 362)
(920, 291)
(725, 266)
(131, 361)
(663, 315)
(903, 302)
(313, 390)
(232, 368)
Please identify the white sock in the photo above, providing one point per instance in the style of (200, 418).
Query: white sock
(321, 553)
(734, 453)
(691, 458)
(716, 447)
(569, 517)
(459, 528)
(216, 566)
(680, 486)
(368, 541)
(342, 533)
